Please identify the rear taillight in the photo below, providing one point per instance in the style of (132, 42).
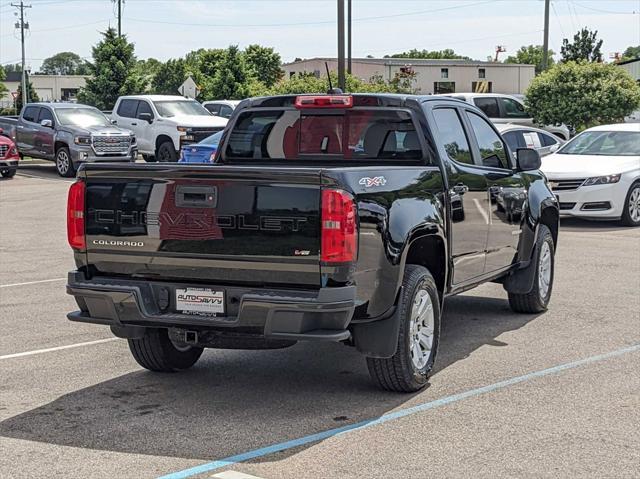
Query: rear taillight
(75, 215)
(324, 101)
(338, 229)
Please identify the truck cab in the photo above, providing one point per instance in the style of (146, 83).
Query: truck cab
(164, 124)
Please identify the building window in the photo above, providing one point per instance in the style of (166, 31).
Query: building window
(481, 86)
(440, 87)
(482, 73)
(316, 73)
(444, 73)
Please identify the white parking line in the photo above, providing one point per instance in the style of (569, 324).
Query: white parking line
(481, 210)
(58, 348)
(32, 282)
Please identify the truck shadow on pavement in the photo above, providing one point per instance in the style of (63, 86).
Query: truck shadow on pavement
(235, 401)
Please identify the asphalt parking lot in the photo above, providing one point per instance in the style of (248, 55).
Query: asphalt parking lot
(551, 395)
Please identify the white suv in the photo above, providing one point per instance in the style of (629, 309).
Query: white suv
(164, 123)
(223, 108)
(507, 109)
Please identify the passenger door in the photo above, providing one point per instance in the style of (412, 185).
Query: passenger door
(27, 131)
(468, 193)
(142, 130)
(44, 136)
(507, 192)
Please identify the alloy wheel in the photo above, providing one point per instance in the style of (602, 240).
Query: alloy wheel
(544, 270)
(421, 329)
(634, 204)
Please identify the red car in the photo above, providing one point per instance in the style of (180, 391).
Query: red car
(8, 156)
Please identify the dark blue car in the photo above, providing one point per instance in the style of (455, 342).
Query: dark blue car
(203, 152)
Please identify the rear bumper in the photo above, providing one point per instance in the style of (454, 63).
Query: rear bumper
(321, 315)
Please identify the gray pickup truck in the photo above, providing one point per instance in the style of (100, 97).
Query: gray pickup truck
(69, 134)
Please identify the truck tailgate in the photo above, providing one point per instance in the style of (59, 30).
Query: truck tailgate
(211, 224)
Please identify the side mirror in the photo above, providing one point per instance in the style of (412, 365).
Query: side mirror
(528, 159)
(145, 117)
(47, 123)
(554, 147)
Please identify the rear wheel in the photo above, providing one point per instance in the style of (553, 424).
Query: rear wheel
(419, 314)
(631, 213)
(156, 352)
(8, 173)
(64, 165)
(537, 300)
(166, 153)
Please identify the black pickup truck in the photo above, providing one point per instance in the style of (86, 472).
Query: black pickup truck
(345, 218)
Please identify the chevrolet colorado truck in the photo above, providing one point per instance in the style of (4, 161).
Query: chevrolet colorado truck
(345, 218)
(69, 134)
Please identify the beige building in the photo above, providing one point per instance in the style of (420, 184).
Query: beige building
(632, 67)
(433, 76)
(48, 87)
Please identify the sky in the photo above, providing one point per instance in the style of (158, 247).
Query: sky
(166, 29)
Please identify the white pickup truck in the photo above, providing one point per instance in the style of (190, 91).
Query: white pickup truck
(164, 123)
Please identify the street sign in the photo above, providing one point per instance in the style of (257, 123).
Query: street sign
(189, 88)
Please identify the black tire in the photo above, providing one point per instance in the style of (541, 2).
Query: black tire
(64, 163)
(399, 373)
(155, 352)
(627, 218)
(537, 300)
(166, 153)
(149, 158)
(8, 173)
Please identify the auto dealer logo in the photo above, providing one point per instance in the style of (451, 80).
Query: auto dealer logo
(375, 181)
(135, 244)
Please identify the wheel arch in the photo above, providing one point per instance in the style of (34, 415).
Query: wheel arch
(163, 139)
(429, 251)
(59, 144)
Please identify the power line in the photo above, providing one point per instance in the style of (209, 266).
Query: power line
(600, 10)
(23, 26)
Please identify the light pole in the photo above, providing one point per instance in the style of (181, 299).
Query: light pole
(341, 77)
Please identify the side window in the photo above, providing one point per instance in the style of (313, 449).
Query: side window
(225, 111)
(492, 150)
(45, 114)
(547, 140)
(514, 139)
(144, 107)
(452, 135)
(512, 108)
(127, 108)
(489, 106)
(31, 113)
(214, 109)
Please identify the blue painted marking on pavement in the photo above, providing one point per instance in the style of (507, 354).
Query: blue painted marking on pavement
(283, 446)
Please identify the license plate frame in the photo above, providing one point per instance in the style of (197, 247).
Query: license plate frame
(200, 301)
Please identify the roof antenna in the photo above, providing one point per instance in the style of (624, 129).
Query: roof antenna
(332, 91)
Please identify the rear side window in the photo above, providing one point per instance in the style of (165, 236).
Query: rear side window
(127, 108)
(452, 134)
(349, 135)
(489, 106)
(512, 108)
(514, 139)
(31, 113)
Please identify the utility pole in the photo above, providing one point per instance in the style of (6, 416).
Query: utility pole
(119, 18)
(545, 44)
(349, 37)
(23, 26)
(341, 78)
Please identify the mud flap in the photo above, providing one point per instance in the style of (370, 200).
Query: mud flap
(378, 339)
(521, 280)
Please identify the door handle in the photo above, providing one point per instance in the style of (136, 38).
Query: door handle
(460, 188)
(134, 124)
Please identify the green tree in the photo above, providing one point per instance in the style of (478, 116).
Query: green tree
(13, 68)
(231, 77)
(146, 70)
(582, 95)
(64, 63)
(3, 76)
(309, 83)
(630, 53)
(32, 96)
(169, 77)
(446, 54)
(113, 72)
(531, 55)
(263, 63)
(585, 47)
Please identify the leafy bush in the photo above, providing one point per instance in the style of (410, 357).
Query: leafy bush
(582, 95)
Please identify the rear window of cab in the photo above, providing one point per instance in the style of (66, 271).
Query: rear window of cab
(324, 134)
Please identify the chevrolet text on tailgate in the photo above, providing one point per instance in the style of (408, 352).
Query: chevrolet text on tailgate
(344, 218)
